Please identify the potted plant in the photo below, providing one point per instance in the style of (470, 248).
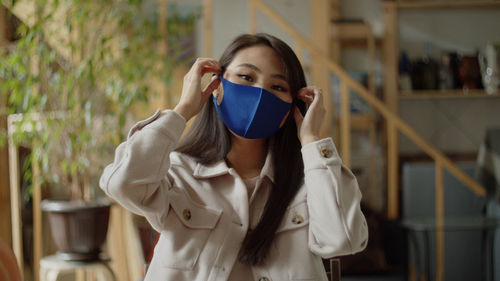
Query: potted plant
(71, 82)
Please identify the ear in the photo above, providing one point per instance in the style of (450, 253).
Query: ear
(215, 92)
(218, 92)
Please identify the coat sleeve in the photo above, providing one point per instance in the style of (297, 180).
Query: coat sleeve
(336, 224)
(138, 177)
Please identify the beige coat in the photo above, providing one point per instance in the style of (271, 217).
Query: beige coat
(203, 211)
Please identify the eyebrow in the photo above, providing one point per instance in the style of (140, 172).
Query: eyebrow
(279, 76)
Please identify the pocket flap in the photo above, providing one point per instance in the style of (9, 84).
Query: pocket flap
(192, 214)
(296, 216)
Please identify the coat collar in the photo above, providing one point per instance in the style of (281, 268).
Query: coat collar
(203, 171)
(220, 168)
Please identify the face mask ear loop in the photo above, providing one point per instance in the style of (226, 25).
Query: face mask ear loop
(220, 88)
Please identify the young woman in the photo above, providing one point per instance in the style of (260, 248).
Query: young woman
(251, 192)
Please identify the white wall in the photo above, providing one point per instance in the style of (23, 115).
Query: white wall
(230, 19)
(463, 30)
(453, 125)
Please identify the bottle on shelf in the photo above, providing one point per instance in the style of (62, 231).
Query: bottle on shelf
(445, 73)
(425, 71)
(404, 73)
(489, 66)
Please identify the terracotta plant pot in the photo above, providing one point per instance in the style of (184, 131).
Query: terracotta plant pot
(78, 228)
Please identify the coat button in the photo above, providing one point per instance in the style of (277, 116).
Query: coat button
(326, 152)
(186, 214)
(297, 219)
(264, 279)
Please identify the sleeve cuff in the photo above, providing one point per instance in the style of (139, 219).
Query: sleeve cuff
(168, 122)
(319, 153)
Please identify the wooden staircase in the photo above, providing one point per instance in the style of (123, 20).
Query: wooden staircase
(322, 63)
(394, 123)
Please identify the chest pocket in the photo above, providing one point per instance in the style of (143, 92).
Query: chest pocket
(187, 228)
(297, 216)
(292, 244)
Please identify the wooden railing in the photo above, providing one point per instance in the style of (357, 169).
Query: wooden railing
(393, 120)
(394, 125)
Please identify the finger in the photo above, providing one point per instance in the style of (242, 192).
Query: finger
(205, 60)
(306, 91)
(306, 95)
(201, 63)
(318, 96)
(210, 69)
(211, 87)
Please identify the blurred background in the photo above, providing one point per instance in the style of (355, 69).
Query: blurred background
(413, 106)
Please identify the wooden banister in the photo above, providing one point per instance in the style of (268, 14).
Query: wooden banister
(395, 123)
(439, 220)
(345, 122)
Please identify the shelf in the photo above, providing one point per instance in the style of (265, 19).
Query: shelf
(431, 94)
(355, 30)
(446, 4)
(360, 43)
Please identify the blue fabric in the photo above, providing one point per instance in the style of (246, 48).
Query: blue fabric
(250, 112)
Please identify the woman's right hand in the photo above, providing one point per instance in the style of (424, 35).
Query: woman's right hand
(193, 98)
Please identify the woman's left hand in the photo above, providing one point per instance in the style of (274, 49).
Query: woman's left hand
(309, 126)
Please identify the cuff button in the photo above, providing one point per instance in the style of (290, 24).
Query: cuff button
(297, 219)
(326, 152)
(186, 214)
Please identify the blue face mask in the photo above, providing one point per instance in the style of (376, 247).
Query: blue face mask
(250, 112)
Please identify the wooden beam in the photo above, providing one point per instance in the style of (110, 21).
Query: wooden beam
(335, 44)
(5, 221)
(391, 51)
(345, 128)
(392, 171)
(320, 30)
(116, 245)
(370, 38)
(15, 200)
(4, 26)
(335, 272)
(136, 260)
(335, 11)
(439, 221)
(37, 222)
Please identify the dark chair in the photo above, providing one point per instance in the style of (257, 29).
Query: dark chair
(385, 256)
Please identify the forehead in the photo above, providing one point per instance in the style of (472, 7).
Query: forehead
(263, 57)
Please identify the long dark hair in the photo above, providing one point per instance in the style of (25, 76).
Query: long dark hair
(209, 141)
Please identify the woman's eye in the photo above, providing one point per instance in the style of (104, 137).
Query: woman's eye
(245, 77)
(279, 88)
